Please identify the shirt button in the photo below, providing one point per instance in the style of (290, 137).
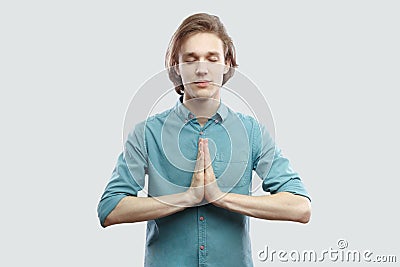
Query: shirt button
(201, 133)
(191, 116)
(201, 218)
(216, 121)
(201, 247)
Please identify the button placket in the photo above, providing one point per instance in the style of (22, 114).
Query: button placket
(202, 235)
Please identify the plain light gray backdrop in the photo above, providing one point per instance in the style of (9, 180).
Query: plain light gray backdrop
(68, 70)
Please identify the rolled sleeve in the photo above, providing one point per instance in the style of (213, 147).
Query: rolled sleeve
(127, 178)
(272, 167)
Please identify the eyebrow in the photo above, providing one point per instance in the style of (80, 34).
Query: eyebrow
(194, 54)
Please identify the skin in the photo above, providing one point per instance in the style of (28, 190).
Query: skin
(201, 59)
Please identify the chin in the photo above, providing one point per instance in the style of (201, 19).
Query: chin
(205, 92)
(205, 95)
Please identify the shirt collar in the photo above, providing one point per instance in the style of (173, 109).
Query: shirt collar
(185, 114)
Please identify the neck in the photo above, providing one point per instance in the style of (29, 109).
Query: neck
(203, 107)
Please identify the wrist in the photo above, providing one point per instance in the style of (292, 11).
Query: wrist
(188, 199)
(221, 200)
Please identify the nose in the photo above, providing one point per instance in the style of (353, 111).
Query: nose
(201, 68)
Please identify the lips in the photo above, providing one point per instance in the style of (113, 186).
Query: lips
(202, 84)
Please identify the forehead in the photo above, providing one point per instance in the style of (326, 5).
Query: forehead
(202, 43)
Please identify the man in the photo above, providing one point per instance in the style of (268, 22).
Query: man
(199, 157)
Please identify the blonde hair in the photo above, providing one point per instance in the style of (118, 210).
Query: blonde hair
(196, 23)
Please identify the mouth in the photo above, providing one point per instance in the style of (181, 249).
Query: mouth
(202, 83)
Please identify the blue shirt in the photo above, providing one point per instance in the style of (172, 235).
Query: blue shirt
(164, 147)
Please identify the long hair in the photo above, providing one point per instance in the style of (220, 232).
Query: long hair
(196, 23)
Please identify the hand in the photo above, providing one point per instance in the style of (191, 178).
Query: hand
(212, 193)
(196, 190)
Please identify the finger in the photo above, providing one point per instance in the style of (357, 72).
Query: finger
(199, 147)
(207, 158)
(200, 162)
(200, 158)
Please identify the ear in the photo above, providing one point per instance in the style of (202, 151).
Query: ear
(227, 66)
(176, 68)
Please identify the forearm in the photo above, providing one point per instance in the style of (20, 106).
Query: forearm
(135, 209)
(281, 206)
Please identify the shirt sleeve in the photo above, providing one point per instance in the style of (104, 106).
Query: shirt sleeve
(272, 167)
(128, 175)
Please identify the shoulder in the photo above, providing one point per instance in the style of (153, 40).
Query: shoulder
(154, 120)
(151, 123)
(254, 128)
(248, 121)
(159, 116)
(245, 118)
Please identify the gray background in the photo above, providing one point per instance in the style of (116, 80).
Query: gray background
(329, 69)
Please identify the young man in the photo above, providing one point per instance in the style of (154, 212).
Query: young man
(199, 157)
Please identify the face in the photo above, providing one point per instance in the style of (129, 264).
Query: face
(202, 66)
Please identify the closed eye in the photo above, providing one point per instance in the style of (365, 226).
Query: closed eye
(190, 59)
(213, 59)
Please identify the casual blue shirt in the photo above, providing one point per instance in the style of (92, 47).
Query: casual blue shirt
(164, 147)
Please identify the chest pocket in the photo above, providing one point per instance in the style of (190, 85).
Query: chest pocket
(232, 174)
